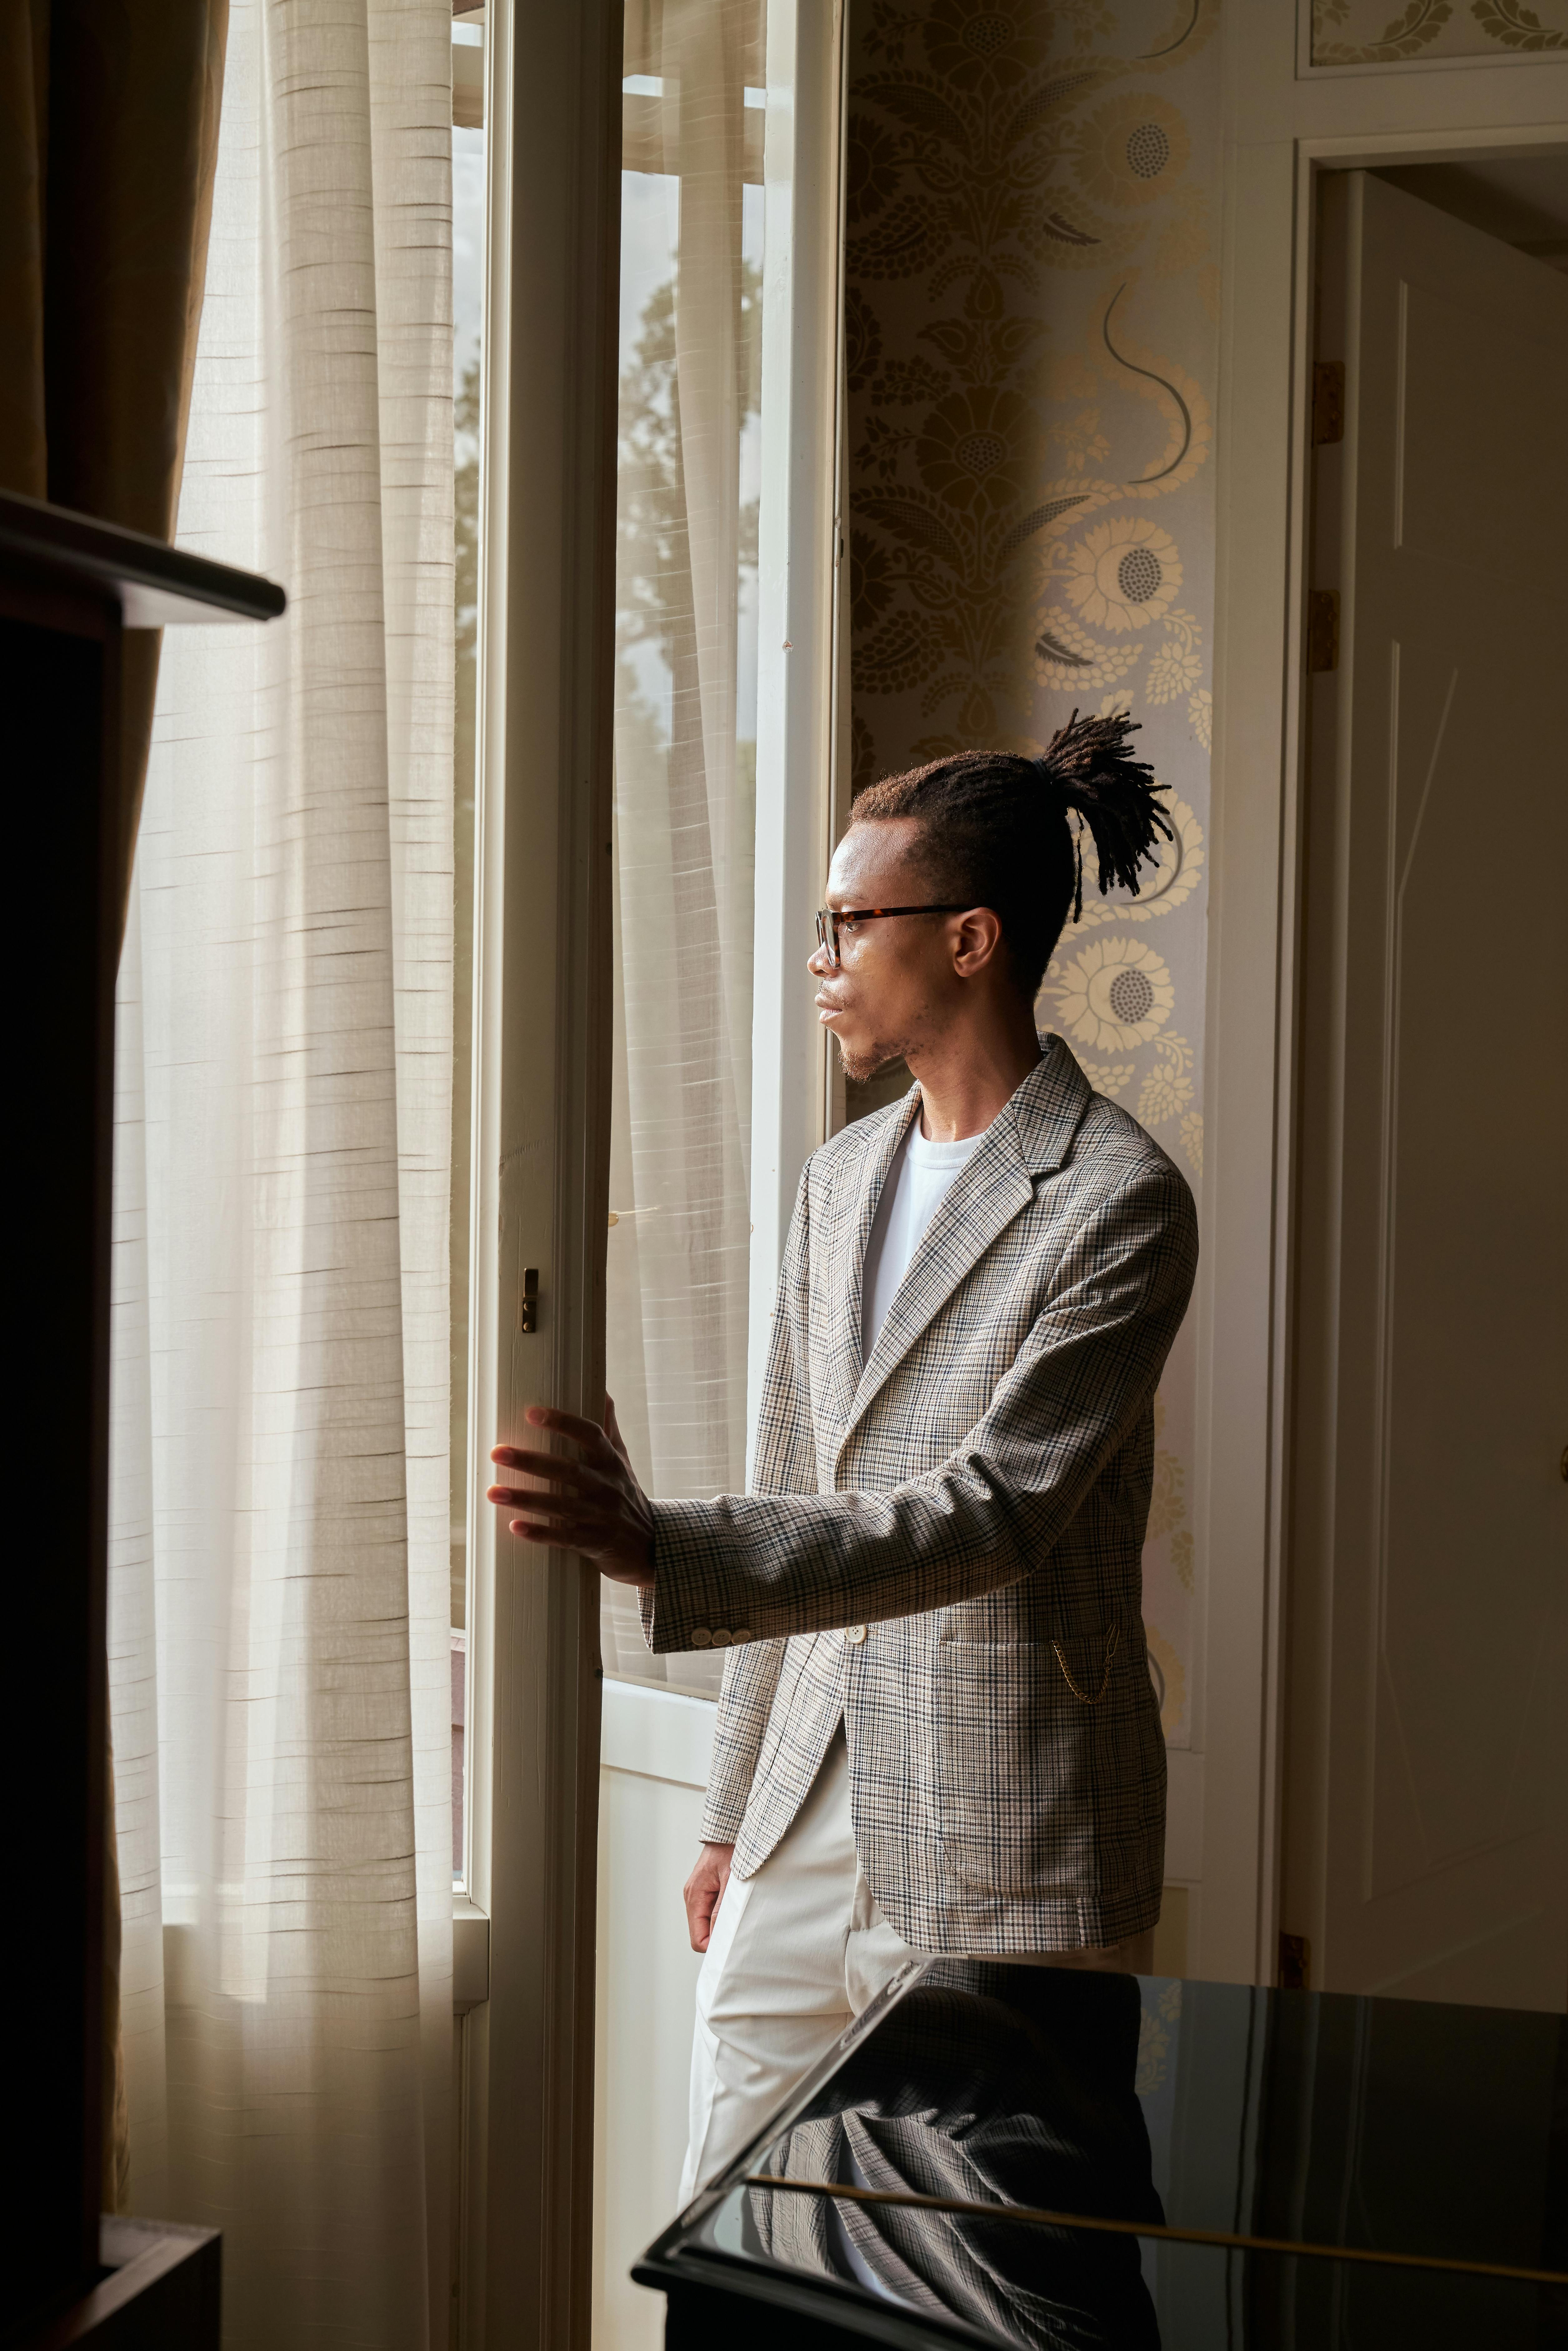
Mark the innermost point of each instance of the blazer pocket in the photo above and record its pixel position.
(1014, 1763)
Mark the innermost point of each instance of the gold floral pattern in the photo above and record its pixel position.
(1123, 573)
(1112, 994)
(1167, 1500)
(1168, 1086)
(1192, 1140)
(1131, 150)
(1107, 1078)
(1365, 32)
(975, 447)
(978, 168)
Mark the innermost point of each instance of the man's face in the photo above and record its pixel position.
(893, 989)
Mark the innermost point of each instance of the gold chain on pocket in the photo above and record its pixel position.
(1083, 1695)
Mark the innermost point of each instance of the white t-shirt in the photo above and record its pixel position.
(915, 1186)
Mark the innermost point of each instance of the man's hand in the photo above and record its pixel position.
(703, 1891)
(595, 1506)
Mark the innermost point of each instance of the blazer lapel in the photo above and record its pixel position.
(846, 1266)
(1032, 1135)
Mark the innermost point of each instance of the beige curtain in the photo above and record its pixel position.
(685, 767)
(278, 1629)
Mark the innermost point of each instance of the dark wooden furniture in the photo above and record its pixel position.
(70, 587)
(1225, 2167)
(158, 2289)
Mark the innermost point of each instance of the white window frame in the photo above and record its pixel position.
(540, 1200)
(524, 1929)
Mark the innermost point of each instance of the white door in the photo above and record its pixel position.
(1427, 1776)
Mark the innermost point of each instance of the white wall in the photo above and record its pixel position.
(654, 1760)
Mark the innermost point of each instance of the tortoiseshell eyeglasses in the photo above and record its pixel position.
(830, 919)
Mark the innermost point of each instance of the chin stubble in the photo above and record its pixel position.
(859, 1067)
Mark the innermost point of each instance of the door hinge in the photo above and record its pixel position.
(1328, 402)
(1295, 1963)
(1322, 628)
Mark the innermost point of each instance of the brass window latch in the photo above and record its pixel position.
(528, 1302)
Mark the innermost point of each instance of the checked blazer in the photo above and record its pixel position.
(942, 1545)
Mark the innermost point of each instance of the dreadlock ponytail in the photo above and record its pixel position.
(1087, 768)
(999, 830)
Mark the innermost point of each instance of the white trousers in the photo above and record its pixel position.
(796, 1950)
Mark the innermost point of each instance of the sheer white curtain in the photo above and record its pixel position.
(279, 1582)
(685, 762)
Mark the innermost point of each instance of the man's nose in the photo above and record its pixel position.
(816, 962)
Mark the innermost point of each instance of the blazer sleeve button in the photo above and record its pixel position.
(702, 1638)
(721, 1636)
(739, 1637)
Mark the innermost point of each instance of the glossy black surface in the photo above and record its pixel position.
(1414, 2133)
(81, 548)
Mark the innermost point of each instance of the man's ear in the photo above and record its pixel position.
(979, 942)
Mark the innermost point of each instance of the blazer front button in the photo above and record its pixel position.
(855, 1636)
(702, 1638)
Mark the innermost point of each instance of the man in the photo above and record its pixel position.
(937, 1731)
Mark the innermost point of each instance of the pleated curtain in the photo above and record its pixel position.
(279, 1645)
(679, 1247)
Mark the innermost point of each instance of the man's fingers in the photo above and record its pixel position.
(541, 1510)
(587, 1540)
(585, 1433)
(575, 1476)
(554, 1539)
(699, 1917)
(577, 1507)
(541, 1464)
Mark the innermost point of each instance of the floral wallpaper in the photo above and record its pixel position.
(1032, 308)
(1375, 33)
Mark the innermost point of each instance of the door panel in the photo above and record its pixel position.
(1426, 1785)
(1474, 441)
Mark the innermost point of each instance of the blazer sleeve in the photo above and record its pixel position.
(995, 1510)
(785, 1463)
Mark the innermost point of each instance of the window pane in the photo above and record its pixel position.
(467, 318)
(685, 761)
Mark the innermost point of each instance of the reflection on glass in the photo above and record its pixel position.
(1412, 2151)
(685, 760)
(467, 317)
(998, 2087)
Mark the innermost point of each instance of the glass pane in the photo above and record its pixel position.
(685, 761)
(467, 316)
